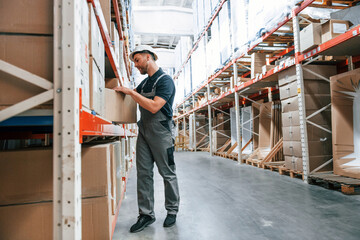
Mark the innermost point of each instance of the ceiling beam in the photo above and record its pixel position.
(163, 21)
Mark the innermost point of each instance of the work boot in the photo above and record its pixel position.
(170, 220)
(142, 222)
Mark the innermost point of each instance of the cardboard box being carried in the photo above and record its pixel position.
(119, 107)
(35, 221)
(345, 107)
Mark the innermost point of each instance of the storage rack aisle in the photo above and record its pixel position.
(77, 194)
(293, 60)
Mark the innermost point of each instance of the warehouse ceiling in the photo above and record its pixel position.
(161, 23)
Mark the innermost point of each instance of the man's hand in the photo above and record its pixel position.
(152, 105)
(125, 90)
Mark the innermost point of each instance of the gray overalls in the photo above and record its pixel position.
(155, 144)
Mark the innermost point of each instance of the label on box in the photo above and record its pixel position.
(339, 27)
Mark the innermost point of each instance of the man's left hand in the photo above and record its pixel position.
(123, 90)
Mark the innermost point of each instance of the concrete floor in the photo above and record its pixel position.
(223, 200)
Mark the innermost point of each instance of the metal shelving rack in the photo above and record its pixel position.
(255, 87)
(70, 121)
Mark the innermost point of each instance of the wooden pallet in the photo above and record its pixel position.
(292, 173)
(273, 166)
(332, 181)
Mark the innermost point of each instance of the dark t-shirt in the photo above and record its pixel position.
(165, 88)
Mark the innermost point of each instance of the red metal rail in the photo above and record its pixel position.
(354, 32)
(110, 52)
(200, 37)
(297, 10)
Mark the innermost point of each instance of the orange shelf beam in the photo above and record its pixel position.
(110, 52)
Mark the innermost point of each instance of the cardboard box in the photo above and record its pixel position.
(26, 16)
(265, 125)
(294, 163)
(310, 87)
(31, 53)
(106, 9)
(312, 102)
(333, 28)
(316, 148)
(97, 86)
(116, 178)
(33, 179)
(257, 61)
(96, 44)
(35, 55)
(35, 221)
(310, 37)
(266, 68)
(115, 40)
(345, 124)
(119, 107)
(289, 75)
(293, 133)
(112, 83)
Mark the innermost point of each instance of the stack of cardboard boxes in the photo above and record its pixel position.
(26, 184)
(26, 41)
(317, 96)
(317, 33)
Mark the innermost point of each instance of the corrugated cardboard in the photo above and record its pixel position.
(310, 37)
(333, 28)
(257, 61)
(312, 102)
(288, 90)
(343, 132)
(290, 118)
(96, 44)
(316, 148)
(35, 221)
(106, 9)
(115, 169)
(264, 125)
(294, 163)
(119, 107)
(24, 16)
(97, 86)
(310, 87)
(33, 179)
(292, 133)
(112, 83)
(114, 35)
(31, 53)
(289, 75)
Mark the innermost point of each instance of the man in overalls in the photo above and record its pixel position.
(155, 142)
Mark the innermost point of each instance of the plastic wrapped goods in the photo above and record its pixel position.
(224, 28)
(239, 22)
(265, 15)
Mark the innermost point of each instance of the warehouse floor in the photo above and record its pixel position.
(223, 200)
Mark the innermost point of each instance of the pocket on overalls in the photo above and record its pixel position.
(170, 153)
(165, 123)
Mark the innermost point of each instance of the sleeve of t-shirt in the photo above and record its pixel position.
(165, 88)
(138, 88)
